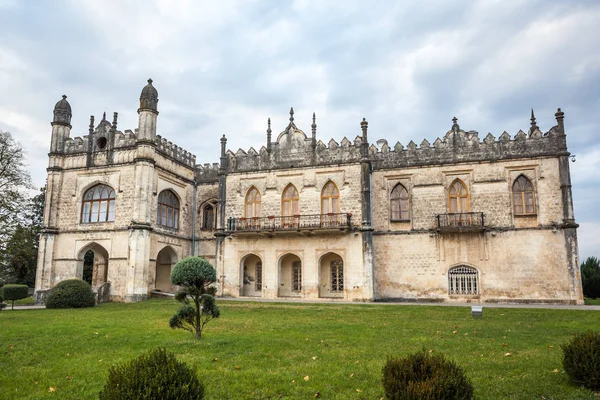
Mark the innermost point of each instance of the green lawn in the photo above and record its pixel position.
(289, 351)
(592, 302)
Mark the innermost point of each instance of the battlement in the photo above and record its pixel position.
(459, 146)
(294, 150)
(166, 147)
(207, 172)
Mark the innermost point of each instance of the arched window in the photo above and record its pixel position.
(252, 209)
(290, 201)
(399, 206)
(523, 196)
(458, 198)
(167, 213)
(337, 276)
(330, 199)
(463, 280)
(98, 204)
(209, 216)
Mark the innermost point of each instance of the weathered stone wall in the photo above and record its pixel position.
(490, 191)
(308, 181)
(311, 250)
(513, 265)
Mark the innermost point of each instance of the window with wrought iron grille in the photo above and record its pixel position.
(463, 280)
(167, 213)
(399, 206)
(523, 196)
(337, 276)
(209, 220)
(258, 281)
(98, 205)
(296, 276)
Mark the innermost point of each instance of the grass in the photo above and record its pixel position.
(592, 302)
(289, 351)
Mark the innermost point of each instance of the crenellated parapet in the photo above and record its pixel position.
(293, 149)
(458, 146)
(169, 149)
(207, 172)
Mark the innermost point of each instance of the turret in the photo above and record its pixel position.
(61, 125)
(147, 113)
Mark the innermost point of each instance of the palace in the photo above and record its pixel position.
(462, 219)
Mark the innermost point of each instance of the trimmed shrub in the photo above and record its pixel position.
(15, 292)
(424, 376)
(2, 305)
(156, 375)
(71, 293)
(193, 271)
(590, 277)
(581, 359)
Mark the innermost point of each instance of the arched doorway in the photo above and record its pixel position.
(331, 276)
(93, 264)
(252, 276)
(290, 276)
(165, 260)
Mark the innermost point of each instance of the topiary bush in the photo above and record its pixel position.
(15, 292)
(581, 359)
(71, 293)
(195, 276)
(424, 376)
(156, 375)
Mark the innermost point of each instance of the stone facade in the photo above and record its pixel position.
(303, 219)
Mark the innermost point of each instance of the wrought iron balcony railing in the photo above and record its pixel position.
(291, 223)
(456, 222)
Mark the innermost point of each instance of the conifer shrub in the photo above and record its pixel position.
(71, 293)
(425, 376)
(155, 375)
(581, 359)
(15, 292)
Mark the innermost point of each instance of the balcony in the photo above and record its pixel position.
(298, 223)
(460, 222)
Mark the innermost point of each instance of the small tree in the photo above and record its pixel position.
(195, 276)
(15, 292)
(590, 277)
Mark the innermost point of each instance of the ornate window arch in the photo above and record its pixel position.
(252, 203)
(463, 280)
(458, 197)
(290, 201)
(98, 204)
(523, 196)
(167, 212)
(330, 199)
(399, 203)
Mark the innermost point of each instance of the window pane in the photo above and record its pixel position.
(453, 205)
(94, 214)
(325, 206)
(111, 210)
(103, 209)
(463, 204)
(85, 216)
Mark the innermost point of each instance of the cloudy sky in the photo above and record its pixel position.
(223, 67)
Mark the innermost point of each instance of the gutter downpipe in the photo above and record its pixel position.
(194, 217)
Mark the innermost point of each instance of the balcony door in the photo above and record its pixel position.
(330, 205)
(290, 207)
